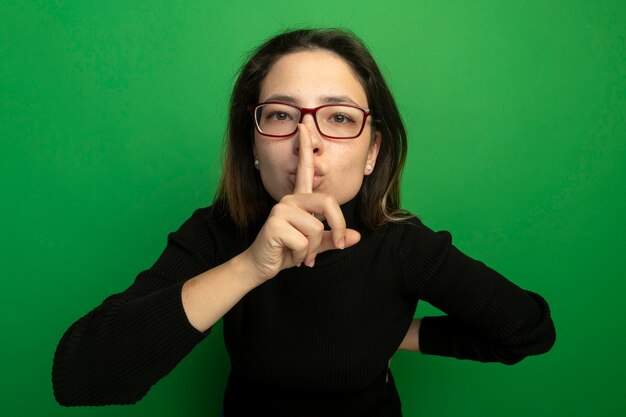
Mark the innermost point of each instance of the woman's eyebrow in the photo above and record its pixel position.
(282, 97)
(338, 99)
(323, 100)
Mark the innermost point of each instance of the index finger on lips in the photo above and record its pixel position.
(306, 167)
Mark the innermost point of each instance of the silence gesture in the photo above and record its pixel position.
(292, 235)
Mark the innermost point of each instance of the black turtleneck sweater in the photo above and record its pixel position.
(311, 341)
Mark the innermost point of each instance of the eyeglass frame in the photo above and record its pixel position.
(313, 112)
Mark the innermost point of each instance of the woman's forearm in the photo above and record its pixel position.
(209, 296)
(411, 339)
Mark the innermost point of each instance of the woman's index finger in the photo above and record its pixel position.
(306, 167)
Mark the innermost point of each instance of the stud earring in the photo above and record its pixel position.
(369, 167)
(256, 163)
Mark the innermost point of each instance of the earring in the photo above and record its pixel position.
(256, 163)
(369, 166)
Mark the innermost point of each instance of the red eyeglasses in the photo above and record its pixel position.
(336, 121)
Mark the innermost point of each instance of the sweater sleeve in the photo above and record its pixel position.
(488, 318)
(115, 353)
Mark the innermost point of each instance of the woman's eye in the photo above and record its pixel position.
(342, 118)
(278, 115)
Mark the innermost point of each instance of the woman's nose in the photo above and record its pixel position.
(314, 134)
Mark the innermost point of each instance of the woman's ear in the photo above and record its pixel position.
(372, 154)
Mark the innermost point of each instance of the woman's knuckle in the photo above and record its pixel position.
(302, 245)
(318, 227)
(272, 222)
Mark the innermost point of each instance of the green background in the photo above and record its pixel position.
(111, 120)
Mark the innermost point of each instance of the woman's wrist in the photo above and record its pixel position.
(246, 270)
(210, 295)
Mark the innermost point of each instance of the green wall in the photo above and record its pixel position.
(111, 120)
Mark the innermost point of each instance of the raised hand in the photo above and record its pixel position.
(292, 234)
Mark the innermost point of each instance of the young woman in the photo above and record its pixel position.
(307, 256)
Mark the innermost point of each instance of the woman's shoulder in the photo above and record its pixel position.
(411, 235)
(209, 231)
(405, 220)
(214, 213)
(209, 221)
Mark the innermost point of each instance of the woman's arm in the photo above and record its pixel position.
(116, 352)
(411, 341)
(119, 350)
(488, 318)
(209, 296)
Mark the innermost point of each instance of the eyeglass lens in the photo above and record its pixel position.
(282, 119)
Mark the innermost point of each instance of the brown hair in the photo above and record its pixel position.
(241, 191)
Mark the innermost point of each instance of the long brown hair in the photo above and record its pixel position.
(241, 191)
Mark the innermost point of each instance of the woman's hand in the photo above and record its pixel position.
(292, 234)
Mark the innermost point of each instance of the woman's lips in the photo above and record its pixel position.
(317, 180)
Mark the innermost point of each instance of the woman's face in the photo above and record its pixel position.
(311, 79)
